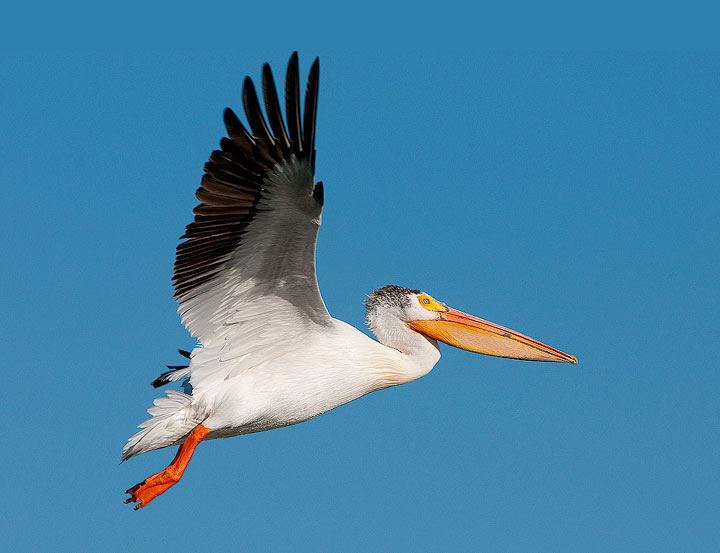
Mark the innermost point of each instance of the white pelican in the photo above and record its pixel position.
(269, 353)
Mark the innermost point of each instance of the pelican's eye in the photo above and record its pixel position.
(429, 303)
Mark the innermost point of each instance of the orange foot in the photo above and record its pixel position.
(154, 485)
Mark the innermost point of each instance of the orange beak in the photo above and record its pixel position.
(464, 331)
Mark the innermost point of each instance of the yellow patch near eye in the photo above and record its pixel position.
(430, 304)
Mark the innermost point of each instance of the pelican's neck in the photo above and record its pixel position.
(415, 355)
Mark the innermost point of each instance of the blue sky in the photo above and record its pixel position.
(555, 172)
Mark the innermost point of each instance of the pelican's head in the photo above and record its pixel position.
(393, 311)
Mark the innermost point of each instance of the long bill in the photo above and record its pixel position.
(470, 333)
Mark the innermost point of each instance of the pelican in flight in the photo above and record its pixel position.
(269, 354)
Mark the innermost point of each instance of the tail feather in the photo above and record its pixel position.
(168, 426)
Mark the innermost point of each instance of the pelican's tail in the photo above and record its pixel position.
(170, 424)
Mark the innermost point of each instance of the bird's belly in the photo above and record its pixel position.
(258, 400)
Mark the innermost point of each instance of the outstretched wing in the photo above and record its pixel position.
(248, 259)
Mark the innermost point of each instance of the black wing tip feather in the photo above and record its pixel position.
(164, 378)
(319, 193)
(292, 103)
(254, 114)
(161, 380)
(235, 129)
(311, 99)
(272, 109)
(234, 176)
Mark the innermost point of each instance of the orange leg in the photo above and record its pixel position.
(154, 485)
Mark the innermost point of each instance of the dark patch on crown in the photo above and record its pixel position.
(395, 296)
